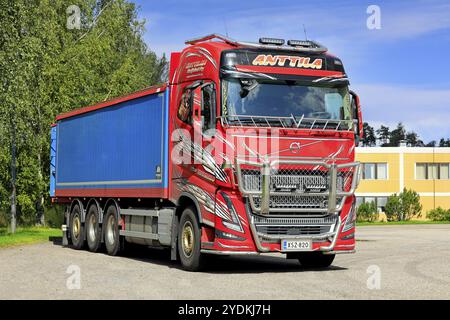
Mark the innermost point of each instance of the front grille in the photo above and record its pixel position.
(295, 181)
(299, 180)
(293, 202)
(279, 227)
(292, 230)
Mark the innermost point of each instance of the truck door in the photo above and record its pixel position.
(204, 124)
(196, 117)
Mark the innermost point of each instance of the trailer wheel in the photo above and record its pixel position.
(93, 229)
(189, 241)
(76, 228)
(113, 241)
(316, 259)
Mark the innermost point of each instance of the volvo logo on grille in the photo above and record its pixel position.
(295, 147)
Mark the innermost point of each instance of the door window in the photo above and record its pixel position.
(185, 108)
(209, 107)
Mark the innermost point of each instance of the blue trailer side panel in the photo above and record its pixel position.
(121, 146)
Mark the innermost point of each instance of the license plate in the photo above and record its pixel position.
(296, 245)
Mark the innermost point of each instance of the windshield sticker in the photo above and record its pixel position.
(294, 61)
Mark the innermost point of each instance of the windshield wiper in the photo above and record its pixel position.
(332, 79)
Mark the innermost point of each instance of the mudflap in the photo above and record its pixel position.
(64, 228)
(65, 240)
(173, 245)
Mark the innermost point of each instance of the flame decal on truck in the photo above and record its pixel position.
(202, 156)
(206, 200)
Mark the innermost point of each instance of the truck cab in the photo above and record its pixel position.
(263, 141)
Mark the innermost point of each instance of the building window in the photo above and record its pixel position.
(375, 171)
(430, 171)
(359, 201)
(381, 171)
(380, 202)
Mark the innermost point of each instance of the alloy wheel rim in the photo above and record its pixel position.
(188, 239)
(76, 227)
(92, 223)
(110, 234)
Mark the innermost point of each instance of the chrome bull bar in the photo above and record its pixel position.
(329, 236)
(332, 194)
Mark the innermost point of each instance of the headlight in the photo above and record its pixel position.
(233, 224)
(351, 218)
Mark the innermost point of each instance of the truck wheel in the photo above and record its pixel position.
(189, 238)
(113, 241)
(76, 228)
(93, 230)
(316, 259)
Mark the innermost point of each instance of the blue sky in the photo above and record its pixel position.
(401, 72)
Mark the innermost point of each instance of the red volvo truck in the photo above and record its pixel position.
(247, 149)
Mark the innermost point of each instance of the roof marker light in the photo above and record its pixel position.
(301, 43)
(275, 41)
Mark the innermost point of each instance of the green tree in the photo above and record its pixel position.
(47, 69)
(403, 207)
(397, 135)
(439, 214)
(444, 143)
(384, 134)
(369, 139)
(412, 139)
(367, 212)
(393, 208)
(411, 206)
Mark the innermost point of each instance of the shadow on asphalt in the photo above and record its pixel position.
(223, 264)
(55, 240)
(217, 264)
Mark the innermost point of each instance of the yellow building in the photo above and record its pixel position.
(387, 170)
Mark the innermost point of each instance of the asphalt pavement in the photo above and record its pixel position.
(392, 262)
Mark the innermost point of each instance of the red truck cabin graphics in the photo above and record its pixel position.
(248, 149)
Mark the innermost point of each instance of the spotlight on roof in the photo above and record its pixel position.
(278, 42)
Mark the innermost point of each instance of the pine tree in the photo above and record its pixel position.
(384, 134)
(369, 139)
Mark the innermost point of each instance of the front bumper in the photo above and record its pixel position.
(257, 238)
(267, 227)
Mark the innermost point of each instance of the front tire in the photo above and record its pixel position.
(76, 228)
(316, 260)
(113, 241)
(189, 241)
(93, 229)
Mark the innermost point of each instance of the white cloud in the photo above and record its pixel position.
(425, 111)
(342, 28)
(414, 21)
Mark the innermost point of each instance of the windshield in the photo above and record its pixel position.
(258, 101)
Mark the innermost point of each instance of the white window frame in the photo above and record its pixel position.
(376, 171)
(438, 164)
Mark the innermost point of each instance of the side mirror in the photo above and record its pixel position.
(357, 117)
(197, 108)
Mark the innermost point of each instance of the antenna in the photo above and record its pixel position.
(304, 30)
(225, 24)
